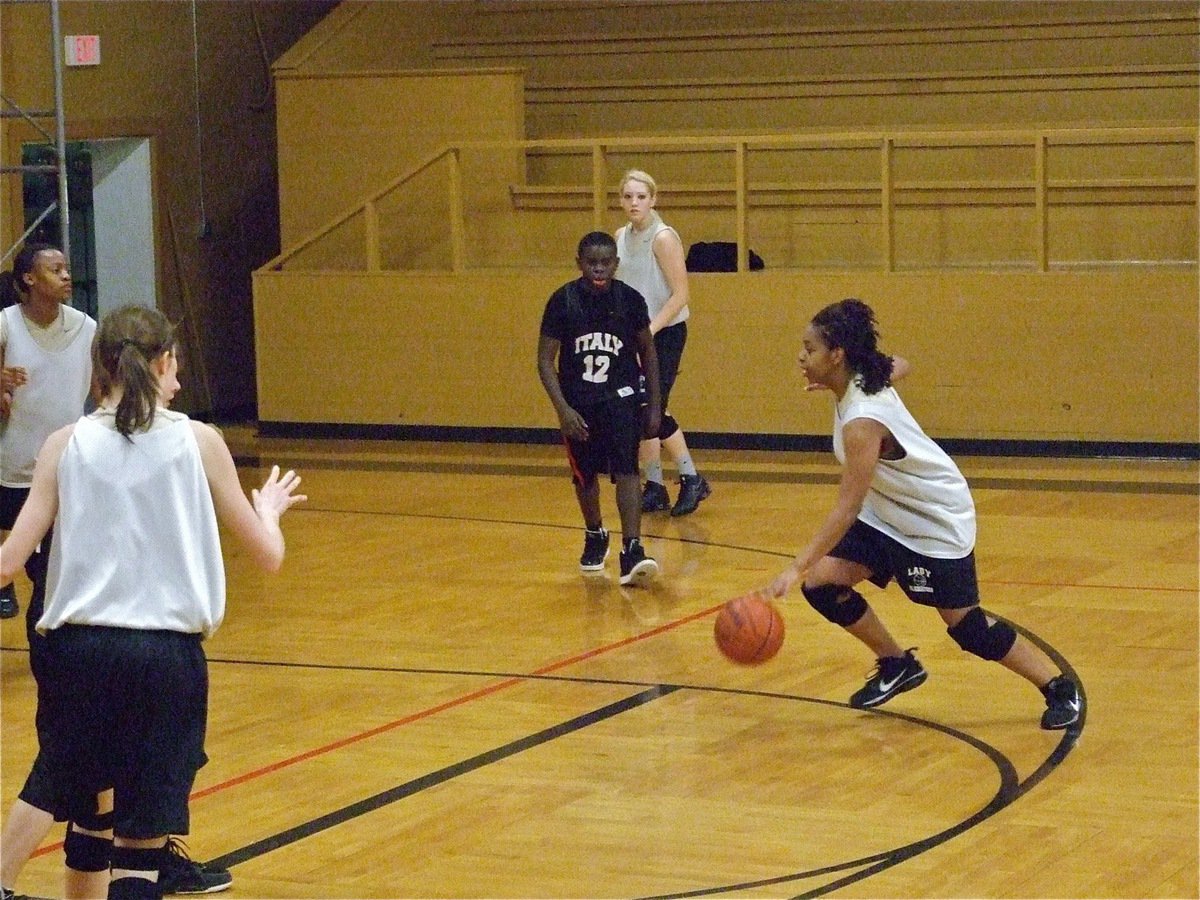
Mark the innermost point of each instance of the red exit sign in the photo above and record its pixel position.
(82, 49)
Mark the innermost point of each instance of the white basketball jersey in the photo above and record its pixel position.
(136, 542)
(639, 266)
(921, 500)
(52, 397)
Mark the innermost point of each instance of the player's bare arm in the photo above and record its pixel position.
(648, 355)
(257, 525)
(668, 250)
(40, 507)
(569, 420)
(862, 441)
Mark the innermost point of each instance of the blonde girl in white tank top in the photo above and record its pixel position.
(652, 262)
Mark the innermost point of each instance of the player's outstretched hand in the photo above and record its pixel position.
(277, 495)
(782, 584)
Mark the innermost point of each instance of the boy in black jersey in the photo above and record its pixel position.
(597, 329)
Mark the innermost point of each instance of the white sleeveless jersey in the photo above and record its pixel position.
(135, 543)
(639, 267)
(52, 397)
(921, 500)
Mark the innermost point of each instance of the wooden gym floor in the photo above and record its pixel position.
(431, 701)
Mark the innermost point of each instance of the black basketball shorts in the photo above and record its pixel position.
(927, 580)
(123, 708)
(614, 431)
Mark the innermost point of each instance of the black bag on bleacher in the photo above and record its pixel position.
(717, 256)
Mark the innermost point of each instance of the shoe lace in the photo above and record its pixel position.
(890, 665)
(177, 849)
(875, 670)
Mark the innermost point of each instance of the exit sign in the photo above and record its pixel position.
(82, 49)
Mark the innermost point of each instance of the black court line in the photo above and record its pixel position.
(309, 509)
(1009, 792)
(1067, 485)
(859, 869)
(361, 807)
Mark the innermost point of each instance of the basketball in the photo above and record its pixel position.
(749, 630)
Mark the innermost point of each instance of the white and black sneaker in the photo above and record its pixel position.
(893, 675)
(1063, 703)
(595, 550)
(637, 568)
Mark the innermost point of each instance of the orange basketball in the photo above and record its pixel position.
(749, 630)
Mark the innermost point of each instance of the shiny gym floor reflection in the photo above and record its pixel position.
(431, 701)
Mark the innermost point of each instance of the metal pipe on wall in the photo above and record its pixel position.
(60, 131)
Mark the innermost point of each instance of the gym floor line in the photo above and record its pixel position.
(847, 872)
(441, 467)
(1010, 790)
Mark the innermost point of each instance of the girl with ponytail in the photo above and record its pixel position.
(904, 512)
(136, 582)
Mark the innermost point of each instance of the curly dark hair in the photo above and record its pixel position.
(850, 324)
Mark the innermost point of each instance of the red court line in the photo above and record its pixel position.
(426, 713)
(551, 667)
(449, 704)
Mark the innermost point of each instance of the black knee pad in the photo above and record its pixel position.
(838, 603)
(667, 426)
(135, 859)
(86, 852)
(134, 889)
(975, 635)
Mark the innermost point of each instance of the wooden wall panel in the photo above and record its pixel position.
(791, 102)
(1005, 353)
(342, 135)
(1100, 356)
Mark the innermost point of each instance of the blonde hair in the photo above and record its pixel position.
(638, 175)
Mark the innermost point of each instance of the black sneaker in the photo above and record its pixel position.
(595, 550)
(893, 675)
(692, 489)
(8, 604)
(637, 568)
(655, 498)
(180, 874)
(1063, 703)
